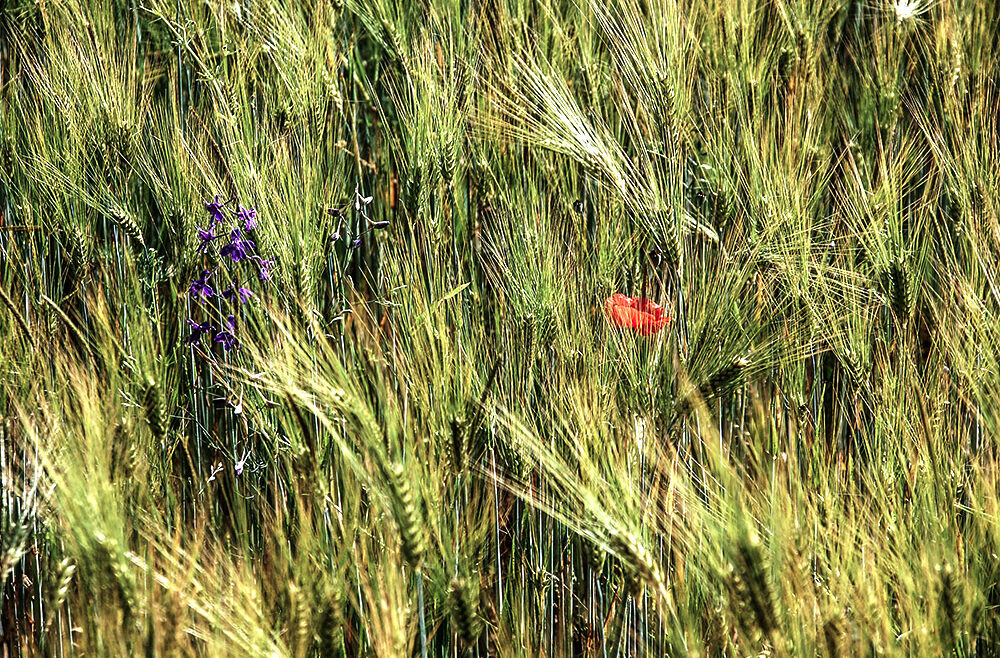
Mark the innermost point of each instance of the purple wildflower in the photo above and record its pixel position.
(249, 218)
(200, 288)
(197, 330)
(265, 269)
(232, 293)
(238, 249)
(356, 243)
(227, 339)
(226, 336)
(215, 210)
(206, 238)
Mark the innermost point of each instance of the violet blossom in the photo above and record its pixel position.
(215, 211)
(231, 293)
(197, 330)
(238, 249)
(226, 337)
(200, 288)
(249, 218)
(265, 269)
(206, 238)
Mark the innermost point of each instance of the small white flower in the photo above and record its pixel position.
(908, 9)
(360, 199)
(241, 462)
(216, 469)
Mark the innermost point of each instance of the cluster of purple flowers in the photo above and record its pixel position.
(240, 248)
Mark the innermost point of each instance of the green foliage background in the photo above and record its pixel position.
(433, 444)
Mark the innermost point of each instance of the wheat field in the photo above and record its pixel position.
(340, 328)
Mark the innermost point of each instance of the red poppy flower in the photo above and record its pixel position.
(637, 313)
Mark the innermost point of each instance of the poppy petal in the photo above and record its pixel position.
(638, 313)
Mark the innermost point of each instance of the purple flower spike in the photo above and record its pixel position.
(356, 243)
(226, 336)
(238, 249)
(206, 238)
(200, 287)
(243, 294)
(215, 211)
(265, 269)
(249, 218)
(197, 330)
(227, 339)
